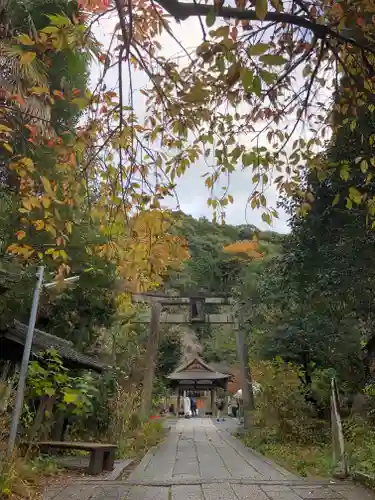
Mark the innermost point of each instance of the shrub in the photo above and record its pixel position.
(360, 444)
(281, 407)
(132, 436)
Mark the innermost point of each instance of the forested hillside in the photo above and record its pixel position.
(215, 269)
(210, 269)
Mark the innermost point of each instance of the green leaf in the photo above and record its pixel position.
(261, 9)
(257, 86)
(81, 102)
(220, 63)
(222, 31)
(273, 60)
(266, 218)
(349, 204)
(50, 29)
(355, 195)
(197, 94)
(268, 77)
(70, 397)
(248, 159)
(59, 20)
(211, 18)
(307, 70)
(344, 172)
(336, 200)
(364, 166)
(353, 125)
(258, 49)
(247, 79)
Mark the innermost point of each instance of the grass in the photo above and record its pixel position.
(315, 459)
(360, 439)
(136, 443)
(20, 477)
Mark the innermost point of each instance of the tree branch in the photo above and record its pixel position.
(182, 11)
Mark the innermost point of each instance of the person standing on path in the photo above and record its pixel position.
(219, 408)
(193, 404)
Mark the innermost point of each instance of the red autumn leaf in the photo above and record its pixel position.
(33, 130)
(103, 109)
(76, 92)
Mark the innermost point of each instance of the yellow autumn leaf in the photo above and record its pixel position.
(4, 128)
(35, 203)
(51, 229)
(40, 90)
(12, 248)
(25, 39)
(64, 255)
(47, 185)
(27, 204)
(39, 225)
(27, 58)
(27, 163)
(46, 201)
(69, 227)
(8, 147)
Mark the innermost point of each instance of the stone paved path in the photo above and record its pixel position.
(199, 461)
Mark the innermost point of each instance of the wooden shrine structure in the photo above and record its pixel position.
(197, 377)
(195, 309)
(198, 309)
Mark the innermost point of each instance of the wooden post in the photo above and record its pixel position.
(338, 443)
(178, 402)
(151, 353)
(213, 401)
(246, 382)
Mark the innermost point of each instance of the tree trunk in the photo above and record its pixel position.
(151, 353)
(246, 382)
(38, 420)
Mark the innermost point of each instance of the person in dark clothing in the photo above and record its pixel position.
(220, 408)
(193, 406)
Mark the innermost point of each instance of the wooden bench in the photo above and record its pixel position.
(102, 456)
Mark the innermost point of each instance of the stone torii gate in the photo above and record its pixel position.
(197, 311)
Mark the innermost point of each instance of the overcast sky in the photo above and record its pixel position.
(191, 192)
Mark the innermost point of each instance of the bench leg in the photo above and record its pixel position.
(96, 462)
(109, 460)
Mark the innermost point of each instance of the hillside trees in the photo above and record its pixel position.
(319, 292)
